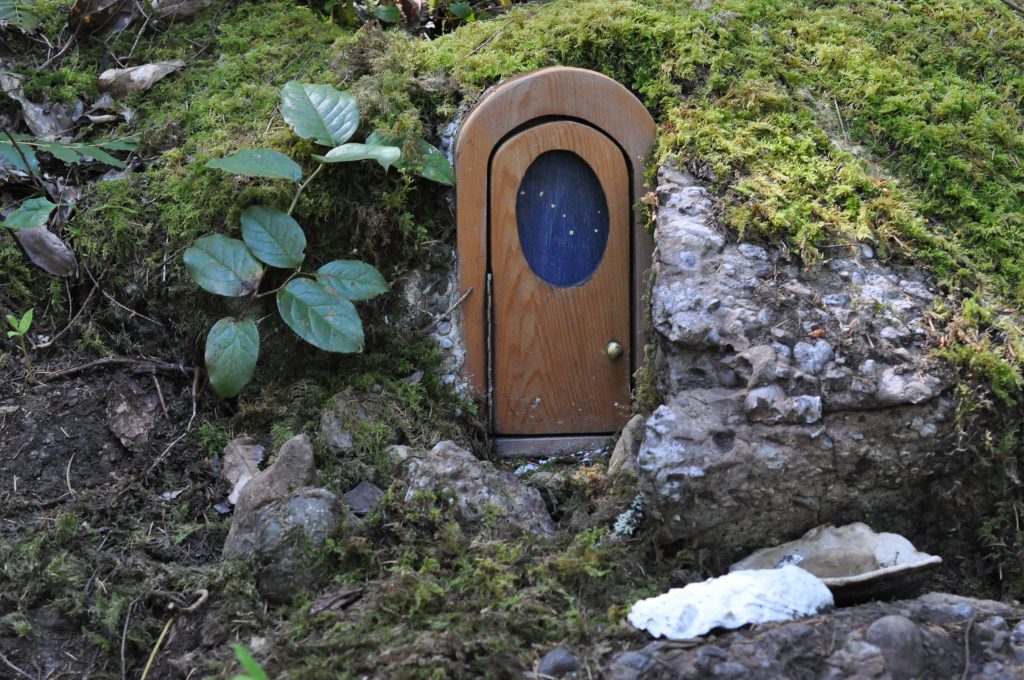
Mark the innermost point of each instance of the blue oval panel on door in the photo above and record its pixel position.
(562, 216)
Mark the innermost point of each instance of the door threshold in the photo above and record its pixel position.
(546, 447)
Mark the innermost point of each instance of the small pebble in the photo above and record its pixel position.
(558, 662)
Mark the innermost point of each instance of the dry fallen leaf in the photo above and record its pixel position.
(49, 120)
(178, 9)
(120, 81)
(102, 17)
(242, 458)
(47, 251)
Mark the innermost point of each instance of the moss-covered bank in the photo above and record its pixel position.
(819, 124)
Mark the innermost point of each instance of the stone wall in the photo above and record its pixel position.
(793, 397)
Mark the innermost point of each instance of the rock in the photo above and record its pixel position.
(131, 412)
(731, 601)
(287, 537)
(558, 662)
(919, 638)
(901, 644)
(398, 453)
(363, 498)
(787, 403)
(853, 561)
(475, 486)
(291, 470)
(623, 460)
(344, 411)
(812, 359)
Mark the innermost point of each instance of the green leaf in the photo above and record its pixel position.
(388, 13)
(253, 669)
(432, 163)
(223, 266)
(13, 321)
(35, 212)
(319, 112)
(320, 316)
(385, 155)
(127, 144)
(62, 153)
(232, 348)
(462, 10)
(258, 163)
(352, 279)
(26, 322)
(98, 154)
(13, 13)
(273, 236)
(9, 153)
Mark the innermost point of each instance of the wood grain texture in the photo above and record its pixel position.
(551, 374)
(553, 92)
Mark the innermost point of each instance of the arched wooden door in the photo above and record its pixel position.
(560, 262)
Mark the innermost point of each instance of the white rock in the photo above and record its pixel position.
(732, 601)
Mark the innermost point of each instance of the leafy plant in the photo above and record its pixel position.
(253, 671)
(317, 306)
(19, 149)
(19, 330)
(13, 13)
(35, 212)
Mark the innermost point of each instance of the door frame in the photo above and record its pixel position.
(540, 96)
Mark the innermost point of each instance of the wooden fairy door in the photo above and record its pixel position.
(560, 262)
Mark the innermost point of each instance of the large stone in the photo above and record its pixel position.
(476, 486)
(920, 638)
(794, 396)
(287, 540)
(291, 470)
(901, 644)
(623, 459)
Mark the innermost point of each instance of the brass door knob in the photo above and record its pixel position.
(614, 351)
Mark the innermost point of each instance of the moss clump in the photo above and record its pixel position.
(440, 602)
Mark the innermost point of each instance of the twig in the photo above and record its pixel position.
(489, 38)
(839, 115)
(1014, 5)
(67, 474)
(160, 393)
(67, 46)
(967, 649)
(195, 396)
(156, 648)
(24, 159)
(14, 668)
(203, 594)
(130, 310)
(151, 364)
(298, 193)
(71, 323)
(124, 637)
(451, 308)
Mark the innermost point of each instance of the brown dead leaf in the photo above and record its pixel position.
(120, 81)
(131, 412)
(101, 17)
(178, 9)
(242, 458)
(49, 120)
(47, 251)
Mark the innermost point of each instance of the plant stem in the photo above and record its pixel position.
(287, 281)
(30, 374)
(302, 187)
(156, 648)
